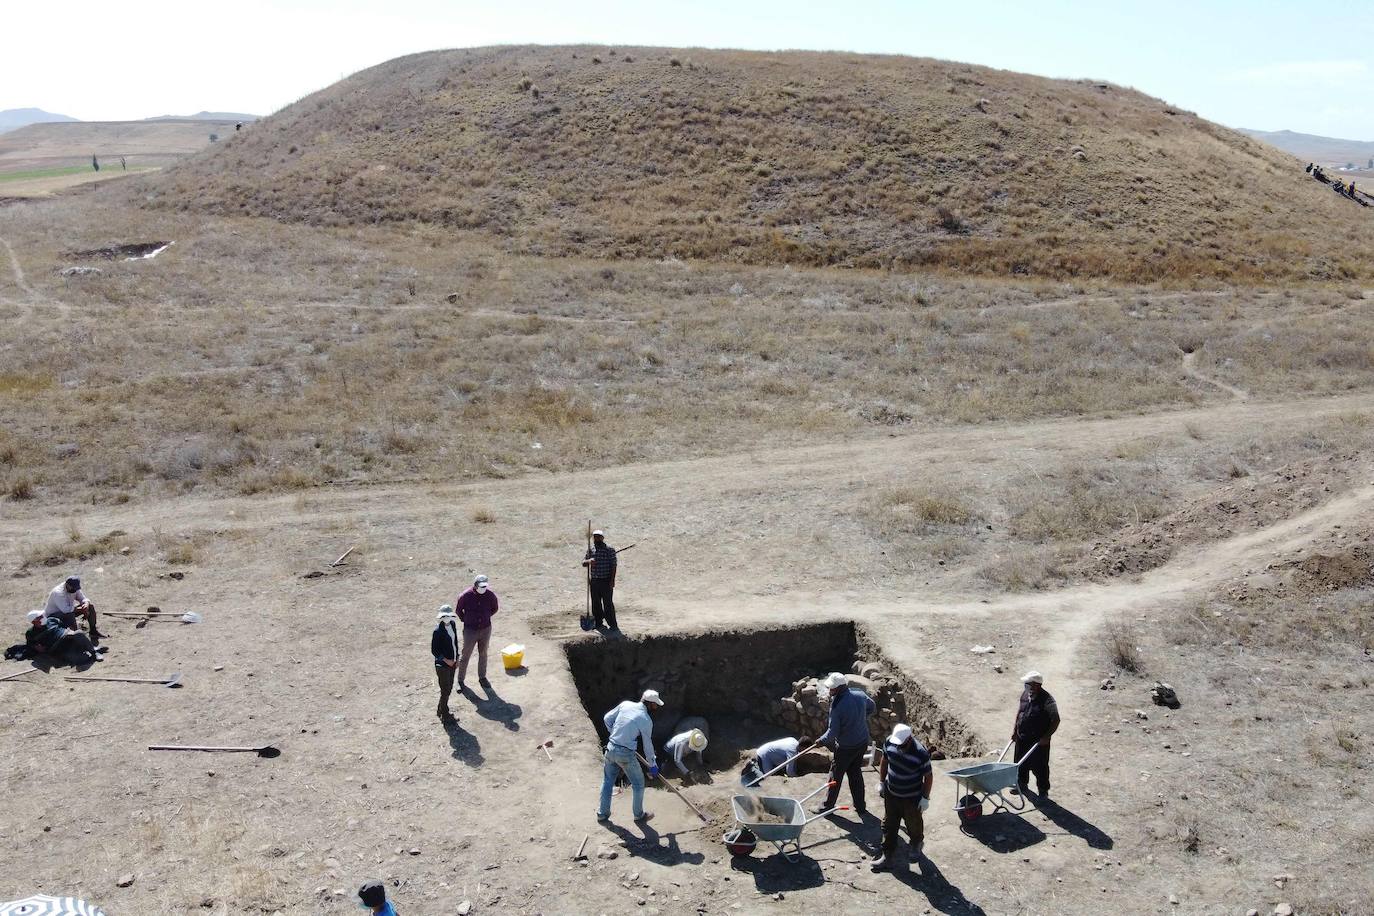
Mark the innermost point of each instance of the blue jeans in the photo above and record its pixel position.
(618, 759)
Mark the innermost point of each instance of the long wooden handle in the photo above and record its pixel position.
(684, 798)
(18, 674)
(203, 747)
(804, 750)
(119, 680)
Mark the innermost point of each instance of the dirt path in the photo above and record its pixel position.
(1190, 369)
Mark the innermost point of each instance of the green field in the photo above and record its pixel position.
(30, 174)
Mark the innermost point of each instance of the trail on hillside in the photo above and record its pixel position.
(1190, 369)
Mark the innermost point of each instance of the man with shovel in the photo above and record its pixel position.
(847, 737)
(628, 723)
(1037, 718)
(601, 563)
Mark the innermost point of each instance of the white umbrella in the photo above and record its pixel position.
(43, 905)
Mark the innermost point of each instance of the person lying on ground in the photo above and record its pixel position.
(47, 636)
(770, 756)
(67, 602)
(684, 743)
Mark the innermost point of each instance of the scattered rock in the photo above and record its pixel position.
(1108, 683)
(314, 574)
(1163, 695)
(127, 880)
(81, 271)
(1173, 899)
(466, 906)
(1252, 912)
(1283, 909)
(603, 853)
(414, 850)
(1141, 714)
(451, 298)
(66, 450)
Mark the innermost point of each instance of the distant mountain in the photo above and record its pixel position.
(12, 118)
(1321, 150)
(208, 116)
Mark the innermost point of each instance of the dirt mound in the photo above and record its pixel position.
(1243, 506)
(794, 157)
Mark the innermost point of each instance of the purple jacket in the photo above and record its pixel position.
(476, 610)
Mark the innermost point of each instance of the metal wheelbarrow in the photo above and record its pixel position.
(784, 833)
(982, 781)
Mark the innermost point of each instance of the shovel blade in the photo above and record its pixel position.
(269, 752)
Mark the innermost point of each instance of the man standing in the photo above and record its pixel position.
(847, 737)
(600, 562)
(627, 723)
(1037, 718)
(66, 602)
(904, 779)
(443, 645)
(476, 606)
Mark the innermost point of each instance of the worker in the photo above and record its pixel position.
(51, 637)
(1308, 170)
(443, 645)
(904, 782)
(626, 724)
(693, 741)
(1037, 718)
(372, 897)
(847, 738)
(601, 564)
(475, 607)
(795, 752)
(67, 601)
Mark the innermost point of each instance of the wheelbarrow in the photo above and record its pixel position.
(982, 781)
(783, 828)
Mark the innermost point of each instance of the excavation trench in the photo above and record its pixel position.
(754, 685)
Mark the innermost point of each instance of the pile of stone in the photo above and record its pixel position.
(807, 710)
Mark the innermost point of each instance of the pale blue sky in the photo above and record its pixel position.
(1266, 65)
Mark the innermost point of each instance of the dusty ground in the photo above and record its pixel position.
(1212, 509)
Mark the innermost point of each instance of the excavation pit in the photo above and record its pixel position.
(755, 685)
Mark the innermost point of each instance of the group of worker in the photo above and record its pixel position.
(905, 776)
(54, 633)
(1340, 187)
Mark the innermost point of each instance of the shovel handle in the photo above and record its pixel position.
(199, 747)
(809, 747)
(18, 674)
(674, 789)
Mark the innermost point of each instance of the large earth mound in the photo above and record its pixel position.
(795, 157)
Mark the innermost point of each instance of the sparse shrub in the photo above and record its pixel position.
(1192, 837)
(1121, 646)
(525, 84)
(20, 488)
(950, 221)
(483, 516)
(674, 62)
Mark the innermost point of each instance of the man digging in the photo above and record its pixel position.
(1037, 718)
(628, 723)
(847, 738)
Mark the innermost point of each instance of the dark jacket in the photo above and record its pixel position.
(442, 645)
(1037, 717)
(476, 610)
(44, 634)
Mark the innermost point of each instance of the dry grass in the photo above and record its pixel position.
(1080, 502)
(483, 516)
(76, 546)
(1122, 645)
(794, 157)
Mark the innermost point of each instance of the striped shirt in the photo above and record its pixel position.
(907, 766)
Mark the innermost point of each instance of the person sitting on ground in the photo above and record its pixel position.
(680, 745)
(373, 899)
(628, 723)
(904, 782)
(67, 601)
(48, 636)
(773, 754)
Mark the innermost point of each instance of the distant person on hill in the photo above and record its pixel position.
(444, 646)
(67, 602)
(95, 163)
(1308, 170)
(1037, 718)
(476, 606)
(372, 897)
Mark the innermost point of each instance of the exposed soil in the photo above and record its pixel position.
(131, 251)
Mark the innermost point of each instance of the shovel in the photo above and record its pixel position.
(266, 750)
(171, 680)
(18, 674)
(544, 746)
(695, 809)
(188, 617)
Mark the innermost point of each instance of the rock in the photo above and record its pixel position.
(603, 853)
(66, 450)
(451, 298)
(414, 850)
(1252, 912)
(1173, 899)
(81, 271)
(464, 908)
(1283, 909)
(127, 880)
(1108, 683)
(1141, 714)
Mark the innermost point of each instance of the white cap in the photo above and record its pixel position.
(901, 733)
(1033, 677)
(34, 615)
(446, 611)
(834, 679)
(651, 696)
(598, 533)
(696, 740)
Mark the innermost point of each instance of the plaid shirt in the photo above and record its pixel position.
(603, 561)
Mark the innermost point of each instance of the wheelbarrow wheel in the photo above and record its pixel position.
(970, 810)
(741, 842)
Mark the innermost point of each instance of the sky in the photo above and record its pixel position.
(1264, 65)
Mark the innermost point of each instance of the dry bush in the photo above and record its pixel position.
(76, 546)
(1081, 501)
(20, 487)
(483, 516)
(1027, 569)
(1122, 645)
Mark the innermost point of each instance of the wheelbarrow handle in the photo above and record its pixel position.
(823, 787)
(1028, 753)
(825, 813)
(1004, 752)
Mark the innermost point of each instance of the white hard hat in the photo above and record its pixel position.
(651, 696)
(696, 740)
(834, 679)
(598, 533)
(1033, 677)
(901, 733)
(34, 615)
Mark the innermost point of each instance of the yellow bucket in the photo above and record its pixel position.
(513, 656)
